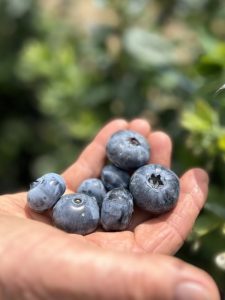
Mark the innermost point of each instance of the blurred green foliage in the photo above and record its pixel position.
(61, 79)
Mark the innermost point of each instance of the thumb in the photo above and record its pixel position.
(155, 277)
(164, 277)
(93, 273)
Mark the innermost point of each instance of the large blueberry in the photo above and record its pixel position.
(155, 188)
(117, 209)
(45, 192)
(76, 213)
(113, 177)
(94, 188)
(128, 150)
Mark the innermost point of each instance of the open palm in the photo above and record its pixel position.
(51, 264)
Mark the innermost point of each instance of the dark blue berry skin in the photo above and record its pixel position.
(113, 177)
(76, 213)
(117, 210)
(94, 188)
(128, 150)
(45, 192)
(155, 188)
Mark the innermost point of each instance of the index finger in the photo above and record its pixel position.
(92, 159)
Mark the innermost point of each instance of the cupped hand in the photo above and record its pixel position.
(39, 261)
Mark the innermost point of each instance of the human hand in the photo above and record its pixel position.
(39, 261)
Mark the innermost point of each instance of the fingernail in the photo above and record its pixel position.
(191, 291)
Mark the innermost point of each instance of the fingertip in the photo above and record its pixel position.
(196, 283)
(117, 123)
(142, 126)
(110, 128)
(187, 281)
(200, 175)
(163, 139)
(194, 180)
(161, 148)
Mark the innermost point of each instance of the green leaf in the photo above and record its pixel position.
(216, 208)
(35, 61)
(18, 8)
(221, 89)
(191, 121)
(220, 260)
(216, 202)
(148, 48)
(206, 223)
(84, 126)
(215, 56)
(202, 119)
(221, 143)
(206, 112)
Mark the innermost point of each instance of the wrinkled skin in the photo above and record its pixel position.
(39, 261)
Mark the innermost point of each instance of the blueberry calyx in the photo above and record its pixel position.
(155, 181)
(155, 188)
(134, 141)
(77, 201)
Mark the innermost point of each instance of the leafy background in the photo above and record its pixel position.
(67, 67)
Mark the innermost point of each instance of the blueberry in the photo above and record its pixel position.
(76, 213)
(155, 188)
(94, 188)
(113, 177)
(117, 209)
(128, 150)
(45, 192)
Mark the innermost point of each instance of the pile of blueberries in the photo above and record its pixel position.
(127, 181)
